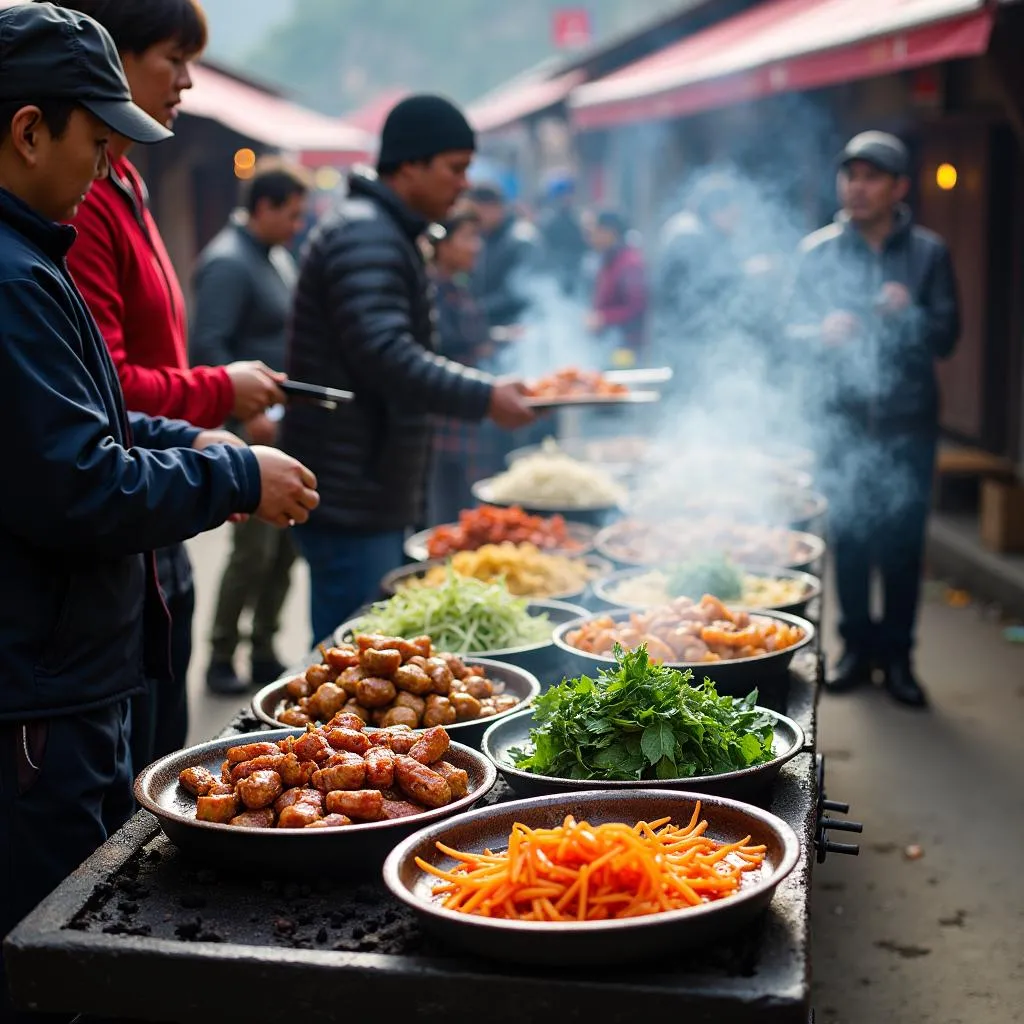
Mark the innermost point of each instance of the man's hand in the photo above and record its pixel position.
(507, 407)
(287, 489)
(893, 299)
(838, 328)
(262, 430)
(210, 437)
(255, 387)
(594, 322)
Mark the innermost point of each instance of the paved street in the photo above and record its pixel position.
(931, 940)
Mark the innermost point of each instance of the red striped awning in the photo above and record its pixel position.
(785, 46)
(520, 99)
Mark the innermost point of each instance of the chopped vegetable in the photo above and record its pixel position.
(643, 721)
(583, 872)
(714, 575)
(463, 615)
(490, 524)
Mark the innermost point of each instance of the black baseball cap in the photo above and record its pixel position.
(51, 53)
(881, 150)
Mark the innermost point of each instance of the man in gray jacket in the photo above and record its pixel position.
(243, 293)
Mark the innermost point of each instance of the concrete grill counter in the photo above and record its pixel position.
(141, 933)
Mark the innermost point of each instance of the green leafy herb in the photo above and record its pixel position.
(643, 721)
(715, 575)
(463, 616)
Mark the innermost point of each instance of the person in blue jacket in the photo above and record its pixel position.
(90, 489)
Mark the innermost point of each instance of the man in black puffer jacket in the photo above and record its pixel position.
(875, 305)
(364, 322)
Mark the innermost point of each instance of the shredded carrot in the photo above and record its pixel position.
(583, 872)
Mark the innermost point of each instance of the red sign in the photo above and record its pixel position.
(571, 27)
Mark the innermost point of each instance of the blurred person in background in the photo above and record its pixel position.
(565, 243)
(121, 266)
(244, 285)
(619, 313)
(875, 305)
(463, 451)
(509, 258)
(363, 321)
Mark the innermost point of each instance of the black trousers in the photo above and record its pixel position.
(160, 715)
(65, 787)
(879, 488)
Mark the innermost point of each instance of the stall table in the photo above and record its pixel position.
(142, 933)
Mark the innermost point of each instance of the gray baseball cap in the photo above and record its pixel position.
(880, 149)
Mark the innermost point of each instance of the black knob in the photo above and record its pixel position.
(841, 826)
(851, 849)
(835, 805)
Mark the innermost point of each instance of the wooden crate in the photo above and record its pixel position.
(1002, 516)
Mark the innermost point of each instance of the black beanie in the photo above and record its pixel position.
(420, 127)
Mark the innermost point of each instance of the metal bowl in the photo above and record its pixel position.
(595, 452)
(269, 702)
(543, 659)
(352, 848)
(794, 508)
(735, 678)
(594, 515)
(744, 784)
(604, 588)
(583, 533)
(811, 550)
(655, 938)
(392, 581)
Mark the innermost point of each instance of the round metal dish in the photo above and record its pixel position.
(657, 937)
(416, 546)
(595, 452)
(795, 509)
(604, 588)
(390, 583)
(810, 546)
(735, 678)
(269, 702)
(351, 848)
(543, 659)
(744, 784)
(595, 515)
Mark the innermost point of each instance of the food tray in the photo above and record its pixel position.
(140, 931)
(594, 401)
(592, 943)
(745, 784)
(595, 514)
(266, 704)
(358, 847)
(583, 533)
(735, 678)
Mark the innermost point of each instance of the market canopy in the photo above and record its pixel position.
(262, 116)
(523, 97)
(784, 46)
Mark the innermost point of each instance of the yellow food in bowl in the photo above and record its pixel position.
(526, 570)
(650, 589)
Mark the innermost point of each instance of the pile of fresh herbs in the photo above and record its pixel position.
(643, 721)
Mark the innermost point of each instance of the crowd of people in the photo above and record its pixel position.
(139, 424)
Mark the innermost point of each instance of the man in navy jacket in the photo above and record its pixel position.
(90, 490)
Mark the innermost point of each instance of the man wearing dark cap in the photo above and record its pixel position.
(93, 488)
(363, 322)
(874, 306)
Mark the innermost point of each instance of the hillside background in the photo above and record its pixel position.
(336, 55)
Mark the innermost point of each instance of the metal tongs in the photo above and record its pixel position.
(326, 398)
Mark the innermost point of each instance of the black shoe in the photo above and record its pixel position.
(853, 670)
(902, 686)
(222, 678)
(266, 670)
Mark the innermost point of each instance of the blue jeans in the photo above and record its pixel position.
(345, 569)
